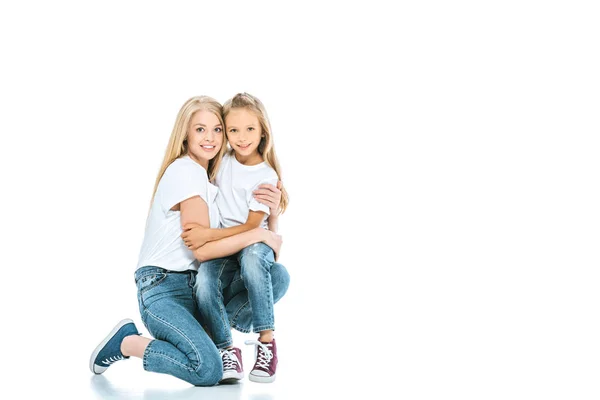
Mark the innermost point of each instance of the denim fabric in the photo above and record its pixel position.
(181, 347)
(239, 291)
(236, 299)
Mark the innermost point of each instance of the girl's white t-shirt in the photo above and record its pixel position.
(236, 183)
(162, 245)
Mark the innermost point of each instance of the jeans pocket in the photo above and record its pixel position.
(147, 282)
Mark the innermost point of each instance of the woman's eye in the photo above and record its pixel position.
(251, 129)
(200, 130)
(232, 130)
(218, 130)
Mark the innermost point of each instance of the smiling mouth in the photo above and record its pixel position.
(244, 146)
(207, 147)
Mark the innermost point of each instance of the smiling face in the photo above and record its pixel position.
(204, 137)
(244, 134)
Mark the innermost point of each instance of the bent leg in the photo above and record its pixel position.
(236, 299)
(211, 278)
(181, 347)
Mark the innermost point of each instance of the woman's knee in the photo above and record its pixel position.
(209, 370)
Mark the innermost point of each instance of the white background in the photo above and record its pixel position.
(442, 161)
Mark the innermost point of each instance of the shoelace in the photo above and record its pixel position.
(262, 357)
(230, 360)
(111, 360)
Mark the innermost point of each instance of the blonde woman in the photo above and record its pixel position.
(166, 270)
(251, 162)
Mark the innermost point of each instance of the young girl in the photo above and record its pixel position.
(166, 270)
(251, 162)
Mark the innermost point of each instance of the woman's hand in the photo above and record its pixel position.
(274, 241)
(270, 196)
(195, 237)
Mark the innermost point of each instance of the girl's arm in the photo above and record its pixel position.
(195, 211)
(195, 235)
(231, 245)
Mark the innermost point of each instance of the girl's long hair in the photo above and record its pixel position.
(266, 147)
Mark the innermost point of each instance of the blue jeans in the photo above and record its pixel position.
(239, 291)
(181, 347)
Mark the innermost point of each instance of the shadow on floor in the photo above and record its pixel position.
(105, 390)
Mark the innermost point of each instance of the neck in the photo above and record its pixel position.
(252, 159)
(202, 162)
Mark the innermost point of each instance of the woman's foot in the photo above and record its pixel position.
(109, 350)
(266, 361)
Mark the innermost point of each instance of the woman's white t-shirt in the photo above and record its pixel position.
(162, 245)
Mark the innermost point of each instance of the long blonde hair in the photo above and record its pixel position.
(266, 147)
(178, 144)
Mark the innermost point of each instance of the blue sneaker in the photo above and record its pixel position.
(109, 351)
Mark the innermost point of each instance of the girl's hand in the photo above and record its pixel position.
(274, 241)
(270, 196)
(195, 237)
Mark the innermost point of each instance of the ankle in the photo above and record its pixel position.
(127, 345)
(266, 337)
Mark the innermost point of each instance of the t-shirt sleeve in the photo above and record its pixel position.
(181, 181)
(253, 204)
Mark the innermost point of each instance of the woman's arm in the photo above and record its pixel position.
(195, 211)
(270, 196)
(231, 245)
(195, 236)
(273, 221)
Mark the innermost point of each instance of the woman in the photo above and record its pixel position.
(166, 272)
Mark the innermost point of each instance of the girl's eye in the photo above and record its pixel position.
(232, 130)
(200, 130)
(218, 130)
(251, 129)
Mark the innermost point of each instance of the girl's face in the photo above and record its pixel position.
(243, 132)
(204, 136)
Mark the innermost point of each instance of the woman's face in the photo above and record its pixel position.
(204, 136)
(243, 131)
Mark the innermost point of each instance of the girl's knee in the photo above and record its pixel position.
(258, 252)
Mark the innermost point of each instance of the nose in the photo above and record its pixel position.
(210, 136)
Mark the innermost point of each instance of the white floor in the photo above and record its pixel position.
(442, 163)
(127, 380)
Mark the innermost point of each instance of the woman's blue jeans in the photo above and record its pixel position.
(239, 291)
(181, 347)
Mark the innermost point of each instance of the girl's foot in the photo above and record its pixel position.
(266, 362)
(233, 369)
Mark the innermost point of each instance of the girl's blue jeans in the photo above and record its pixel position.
(239, 291)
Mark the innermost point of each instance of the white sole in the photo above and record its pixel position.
(261, 379)
(100, 369)
(232, 377)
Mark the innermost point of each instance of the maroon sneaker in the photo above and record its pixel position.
(233, 370)
(266, 362)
